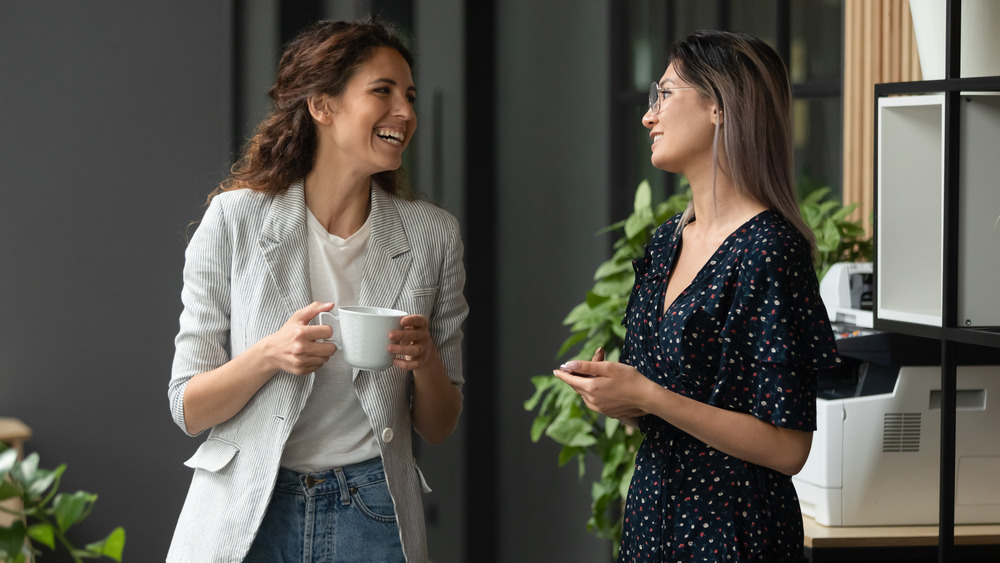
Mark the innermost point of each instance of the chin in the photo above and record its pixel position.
(663, 164)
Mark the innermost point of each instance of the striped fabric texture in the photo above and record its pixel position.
(246, 272)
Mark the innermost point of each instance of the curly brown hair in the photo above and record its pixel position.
(322, 58)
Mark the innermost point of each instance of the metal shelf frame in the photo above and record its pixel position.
(953, 338)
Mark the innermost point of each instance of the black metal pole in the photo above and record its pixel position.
(480, 452)
(949, 289)
(622, 146)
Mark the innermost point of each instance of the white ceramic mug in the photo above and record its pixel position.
(362, 334)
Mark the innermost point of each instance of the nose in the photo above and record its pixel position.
(649, 119)
(403, 108)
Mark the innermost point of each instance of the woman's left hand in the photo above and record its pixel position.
(412, 344)
(610, 388)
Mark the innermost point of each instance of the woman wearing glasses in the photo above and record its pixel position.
(308, 459)
(725, 327)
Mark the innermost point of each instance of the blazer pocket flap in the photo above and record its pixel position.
(213, 455)
(426, 291)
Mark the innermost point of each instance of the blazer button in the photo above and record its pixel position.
(387, 435)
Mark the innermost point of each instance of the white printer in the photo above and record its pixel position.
(875, 458)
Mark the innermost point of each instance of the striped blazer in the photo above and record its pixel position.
(246, 271)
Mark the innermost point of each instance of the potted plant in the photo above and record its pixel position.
(596, 322)
(45, 514)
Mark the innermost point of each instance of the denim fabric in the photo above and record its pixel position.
(343, 515)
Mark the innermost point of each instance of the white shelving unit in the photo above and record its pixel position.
(978, 229)
(911, 183)
(910, 179)
(937, 254)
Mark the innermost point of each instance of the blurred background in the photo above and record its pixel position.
(118, 117)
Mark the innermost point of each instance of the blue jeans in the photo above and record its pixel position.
(342, 515)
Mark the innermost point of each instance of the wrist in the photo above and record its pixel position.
(647, 394)
(432, 364)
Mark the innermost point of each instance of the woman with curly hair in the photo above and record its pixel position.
(307, 458)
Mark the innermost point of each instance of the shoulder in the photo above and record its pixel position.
(666, 231)
(772, 233)
(770, 239)
(241, 202)
(423, 217)
(772, 250)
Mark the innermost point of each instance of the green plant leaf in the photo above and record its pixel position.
(10, 489)
(111, 546)
(611, 426)
(538, 427)
(542, 384)
(24, 471)
(612, 267)
(634, 226)
(573, 340)
(571, 432)
(643, 197)
(43, 480)
(595, 299)
(567, 453)
(576, 313)
(70, 508)
(7, 461)
(12, 539)
(626, 481)
(43, 534)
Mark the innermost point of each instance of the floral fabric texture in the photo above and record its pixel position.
(749, 335)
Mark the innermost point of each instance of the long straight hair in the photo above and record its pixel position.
(749, 84)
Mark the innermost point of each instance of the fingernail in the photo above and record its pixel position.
(570, 366)
(600, 350)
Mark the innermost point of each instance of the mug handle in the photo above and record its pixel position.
(335, 325)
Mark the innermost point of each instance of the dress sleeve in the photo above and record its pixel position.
(779, 335)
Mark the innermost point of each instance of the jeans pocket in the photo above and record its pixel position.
(374, 501)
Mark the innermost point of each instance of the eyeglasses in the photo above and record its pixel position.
(656, 94)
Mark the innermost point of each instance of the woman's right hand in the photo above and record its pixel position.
(299, 347)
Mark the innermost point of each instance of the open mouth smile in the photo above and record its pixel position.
(391, 136)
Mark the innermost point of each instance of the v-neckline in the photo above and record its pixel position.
(664, 308)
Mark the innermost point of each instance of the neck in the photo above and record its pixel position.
(718, 206)
(339, 200)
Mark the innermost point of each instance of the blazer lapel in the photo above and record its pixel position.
(389, 255)
(283, 243)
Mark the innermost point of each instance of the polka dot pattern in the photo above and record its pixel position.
(749, 335)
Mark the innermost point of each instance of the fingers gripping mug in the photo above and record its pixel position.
(362, 334)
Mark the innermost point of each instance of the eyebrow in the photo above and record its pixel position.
(390, 81)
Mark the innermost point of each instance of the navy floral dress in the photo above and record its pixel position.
(749, 335)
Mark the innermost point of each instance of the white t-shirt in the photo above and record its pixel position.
(332, 430)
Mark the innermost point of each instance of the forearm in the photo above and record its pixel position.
(216, 396)
(437, 402)
(738, 434)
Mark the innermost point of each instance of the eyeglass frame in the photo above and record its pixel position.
(656, 98)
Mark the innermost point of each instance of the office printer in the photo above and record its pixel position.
(875, 458)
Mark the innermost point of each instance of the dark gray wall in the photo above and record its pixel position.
(114, 125)
(552, 174)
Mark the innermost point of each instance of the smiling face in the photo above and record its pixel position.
(681, 132)
(367, 127)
